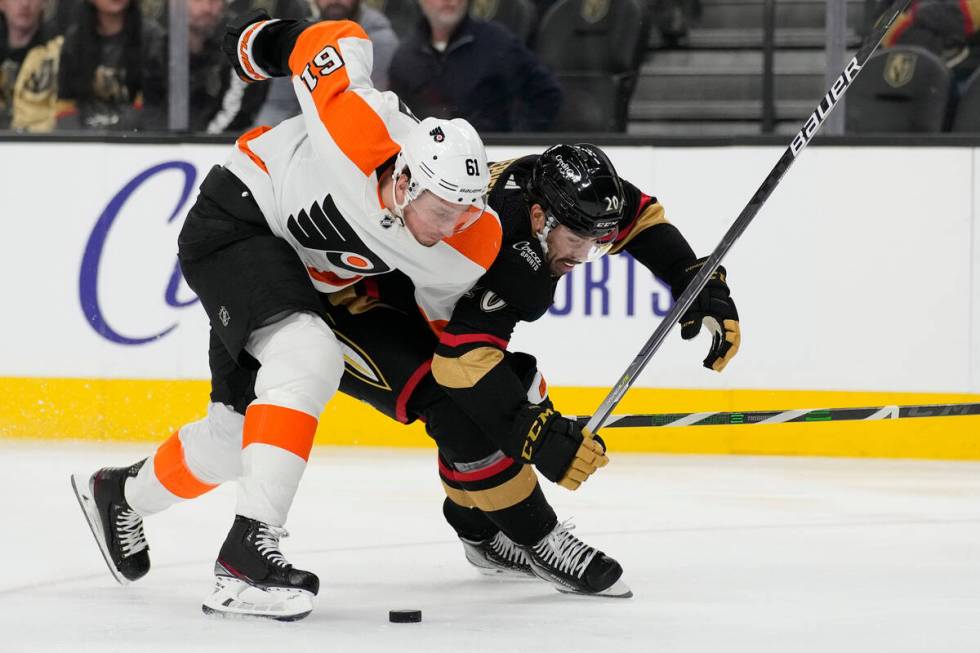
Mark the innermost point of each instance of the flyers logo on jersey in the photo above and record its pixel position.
(325, 229)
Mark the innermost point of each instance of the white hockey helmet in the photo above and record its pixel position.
(448, 159)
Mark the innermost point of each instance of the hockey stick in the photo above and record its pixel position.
(808, 415)
(798, 144)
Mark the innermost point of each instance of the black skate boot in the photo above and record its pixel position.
(498, 556)
(574, 567)
(253, 578)
(117, 528)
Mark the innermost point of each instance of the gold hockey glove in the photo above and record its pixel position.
(562, 451)
(591, 456)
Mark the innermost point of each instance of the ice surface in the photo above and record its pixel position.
(724, 554)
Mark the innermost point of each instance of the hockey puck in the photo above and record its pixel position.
(405, 616)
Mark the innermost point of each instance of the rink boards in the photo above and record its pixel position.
(857, 285)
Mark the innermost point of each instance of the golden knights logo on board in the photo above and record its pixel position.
(485, 9)
(595, 10)
(900, 68)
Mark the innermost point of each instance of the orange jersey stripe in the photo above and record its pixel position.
(353, 125)
(288, 429)
(242, 144)
(172, 471)
(358, 131)
(481, 242)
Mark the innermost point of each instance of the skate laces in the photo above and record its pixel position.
(267, 543)
(129, 531)
(506, 549)
(564, 551)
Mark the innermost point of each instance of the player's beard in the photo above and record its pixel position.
(339, 11)
(561, 266)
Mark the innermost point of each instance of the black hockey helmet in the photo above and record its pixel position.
(579, 186)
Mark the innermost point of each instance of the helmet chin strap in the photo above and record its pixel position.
(399, 208)
(549, 223)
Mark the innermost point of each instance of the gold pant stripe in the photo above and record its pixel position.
(496, 498)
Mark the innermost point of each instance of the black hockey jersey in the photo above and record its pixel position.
(519, 287)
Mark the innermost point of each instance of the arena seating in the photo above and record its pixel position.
(903, 89)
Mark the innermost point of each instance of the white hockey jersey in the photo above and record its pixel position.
(315, 177)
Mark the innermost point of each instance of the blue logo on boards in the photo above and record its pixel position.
(88, 278)
(594, 287)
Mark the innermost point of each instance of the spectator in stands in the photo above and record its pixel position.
(282, 103)
(113, 69)
(378, 28)
(457, 66)
(28, 67)
(948, 28)
(219, 100)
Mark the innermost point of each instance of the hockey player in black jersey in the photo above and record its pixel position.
(486, 407)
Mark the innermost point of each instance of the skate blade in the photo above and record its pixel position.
(82, 487)
(618, 590)
(236, 599)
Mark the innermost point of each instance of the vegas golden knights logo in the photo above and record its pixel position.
(485, 9)
(594, 10)
(358, 363)
(900, 68)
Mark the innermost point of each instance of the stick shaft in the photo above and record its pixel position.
(808, 415)
(798, 144)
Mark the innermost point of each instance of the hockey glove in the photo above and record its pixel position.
(563, 452)
(239, 56)
(714, 308)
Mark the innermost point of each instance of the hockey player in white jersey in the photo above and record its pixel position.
(351, 188)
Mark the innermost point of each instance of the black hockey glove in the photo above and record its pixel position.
(233, 33)
(562, 451)
(715, 309)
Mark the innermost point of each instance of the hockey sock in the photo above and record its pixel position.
(527, 522)
(469, 523)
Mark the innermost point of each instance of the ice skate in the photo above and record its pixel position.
(574, 567)
(253, 579)
(117, 528)
(498, 556)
